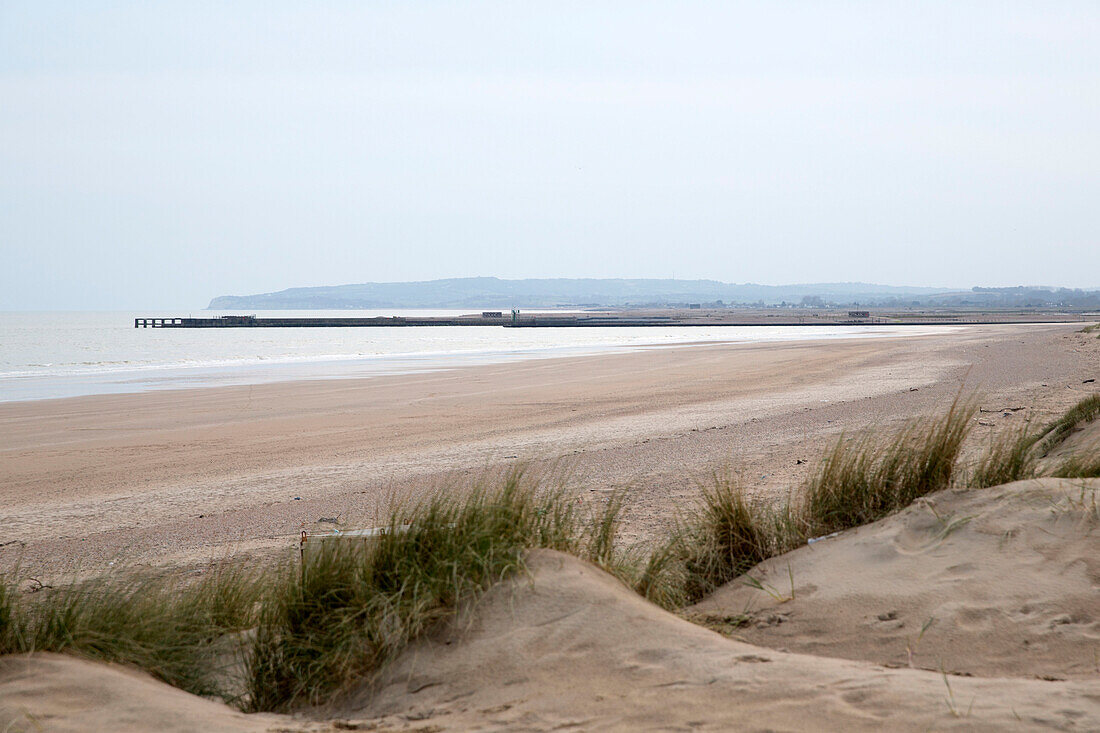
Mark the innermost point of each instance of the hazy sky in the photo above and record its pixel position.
(154, 155)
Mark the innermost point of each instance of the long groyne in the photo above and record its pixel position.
(254, 322)
(587, 321)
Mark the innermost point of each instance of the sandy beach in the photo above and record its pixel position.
(186, 476)
(969, 609)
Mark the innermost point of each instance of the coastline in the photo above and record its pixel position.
(188, 359)
(184, 476)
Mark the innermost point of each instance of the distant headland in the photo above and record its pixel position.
(492, 292)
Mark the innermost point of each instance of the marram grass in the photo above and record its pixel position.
(170, 628)
(289, 635)
(1011, 457)
(1085, 464)
(864, 479)
(1057, 432)
(348, 612)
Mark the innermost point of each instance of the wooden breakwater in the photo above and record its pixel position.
(254, 322)
(571, 321)
(518, 321)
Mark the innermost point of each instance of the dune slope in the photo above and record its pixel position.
(55, 692)
(568, 646)
(1004, 581)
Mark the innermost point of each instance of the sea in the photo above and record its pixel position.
(53, 355)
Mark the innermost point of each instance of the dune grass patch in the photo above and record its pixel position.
(725, 535)
(863, 479)
(1080, 465)
(1008, 458)
(718, 538)
(1056, 433)
(298, 633)
(349, 611)
(163, 624)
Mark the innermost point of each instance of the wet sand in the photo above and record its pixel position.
(185, 476)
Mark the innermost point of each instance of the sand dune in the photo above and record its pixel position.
(1007, 579)
(568, 646)
(53, 692)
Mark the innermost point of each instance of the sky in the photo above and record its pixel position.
(156, 154)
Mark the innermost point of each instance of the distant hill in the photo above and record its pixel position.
(491, 292)
(1019, 297)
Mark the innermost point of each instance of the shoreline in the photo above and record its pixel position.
(35, 386)
(181, 476)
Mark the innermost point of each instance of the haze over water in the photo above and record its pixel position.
(49, 355)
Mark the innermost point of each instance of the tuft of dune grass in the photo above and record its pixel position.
(864, 479)
(601, 546)
(725, 536)
(353, 608)
(1056, 433)
(720, 538)
(7, 623)
(1009, 458)
(1080, 465)
(151, 621)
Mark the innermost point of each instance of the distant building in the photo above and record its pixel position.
(859, 314)
(695, 306)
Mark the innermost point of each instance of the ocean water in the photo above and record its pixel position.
(49, 355)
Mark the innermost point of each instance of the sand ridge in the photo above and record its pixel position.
(566, 645)
(571, 647)
(54, 692)
(999, 582)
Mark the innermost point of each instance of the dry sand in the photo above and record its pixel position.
(1009, 574)
(190, 475)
